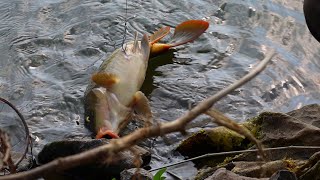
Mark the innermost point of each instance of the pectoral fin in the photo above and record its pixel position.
(142, 107)
(105, 79)
(159, 34)
(188, 31)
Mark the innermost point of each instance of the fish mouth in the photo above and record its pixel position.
(106, 134)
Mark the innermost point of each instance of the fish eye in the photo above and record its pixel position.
(88, 119)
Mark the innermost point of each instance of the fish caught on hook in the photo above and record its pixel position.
(114, 90)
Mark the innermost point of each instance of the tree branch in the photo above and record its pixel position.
(5, 148)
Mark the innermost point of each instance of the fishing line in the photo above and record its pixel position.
(125, 29)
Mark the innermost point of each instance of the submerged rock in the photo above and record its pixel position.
(106, 168)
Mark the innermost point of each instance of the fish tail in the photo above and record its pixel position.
(188, 31)
(184, 33)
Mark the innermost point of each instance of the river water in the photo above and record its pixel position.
(49, 49)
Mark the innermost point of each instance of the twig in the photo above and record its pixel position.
(28, 140)
(234, 152)
(117, 145)
(6, 151)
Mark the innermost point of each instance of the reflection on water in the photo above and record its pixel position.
(50, 48)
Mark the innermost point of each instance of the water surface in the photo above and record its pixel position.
(50, 48)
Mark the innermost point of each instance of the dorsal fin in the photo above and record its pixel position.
(135, 46)
(145, 47)
(159, 34)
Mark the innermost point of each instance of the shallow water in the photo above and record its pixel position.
(50, 48)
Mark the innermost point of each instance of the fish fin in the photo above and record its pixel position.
(159, 34)
(159, 48)
(135, 43)
(105, 79)
(188, 31)
(145, 47)
(142, 107)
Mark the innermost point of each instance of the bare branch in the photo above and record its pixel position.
(5, 149)
(117, 145)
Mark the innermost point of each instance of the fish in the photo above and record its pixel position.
(113, 93)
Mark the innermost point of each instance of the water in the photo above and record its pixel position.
(50, 48)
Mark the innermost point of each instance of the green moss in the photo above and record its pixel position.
(218, 139)
(253, 126)
(291, 164)
(227, 139)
